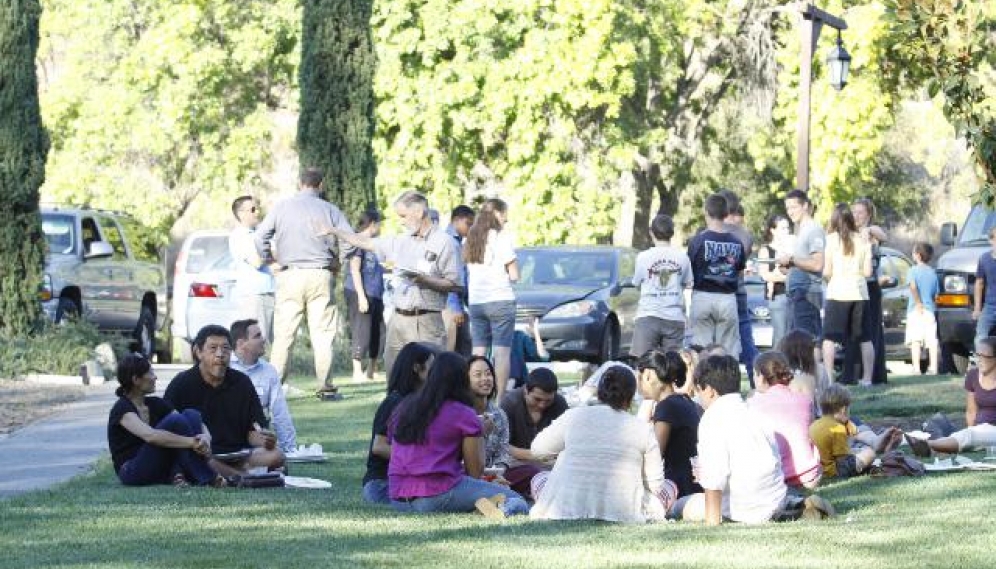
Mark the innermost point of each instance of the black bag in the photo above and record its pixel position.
(895, 463)
(267, 480)
(939, 426)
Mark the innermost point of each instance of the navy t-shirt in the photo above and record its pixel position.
(122, 443)
(377, 466)
(682, 415)
(987, 270)
(717, 259)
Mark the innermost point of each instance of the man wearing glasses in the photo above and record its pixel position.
(253, 291)
(227, 402)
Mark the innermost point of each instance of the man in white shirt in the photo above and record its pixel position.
(738, 465)
(250, 345)
(254, 286)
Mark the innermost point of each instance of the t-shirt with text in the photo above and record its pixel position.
(662, 273)
(717, 259)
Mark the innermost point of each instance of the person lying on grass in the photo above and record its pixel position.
(846, 450)
(738, 465)
(980, 408)
(430, 433)
(608, 465)
(411, 367)
(227, 402)
(150, 442)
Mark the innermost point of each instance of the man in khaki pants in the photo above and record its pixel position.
(306, 280)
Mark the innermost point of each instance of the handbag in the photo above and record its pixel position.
(895, 463)
(266, 480)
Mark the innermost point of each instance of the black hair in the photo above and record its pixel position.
(237, 204)
(491, 367)
(447, 381)
(732, 200)
(617, 387)
(716, 207)
(722, 373)
(662, 227)
(542, 378)
(667, 366)
(403, 378)
(770, 224)
(924, 250)
(312, 178)
(366, 218)
(240, 329)
(130, 367)
(210, 331)
(462, 212)
(798, 346)
(798, 195)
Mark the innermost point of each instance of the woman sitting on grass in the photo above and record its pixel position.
(150, 442)
(608, 462)
(494, 421)
(430, 433)
(810, 377)
(980, 408)
(407, 376)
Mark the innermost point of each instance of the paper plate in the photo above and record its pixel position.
(305, 482)
(303, 458)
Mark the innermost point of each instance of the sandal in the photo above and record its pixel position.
(920, 446)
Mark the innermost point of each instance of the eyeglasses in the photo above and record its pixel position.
(986, 356)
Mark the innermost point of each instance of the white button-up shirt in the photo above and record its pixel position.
(271, 395)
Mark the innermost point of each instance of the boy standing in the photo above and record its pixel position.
(718, 259)
(921, 324)
(662, 273)
(846, 451)
(985, 312)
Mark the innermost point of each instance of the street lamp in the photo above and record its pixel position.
(812, 23)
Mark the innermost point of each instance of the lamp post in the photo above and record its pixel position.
(813, 20)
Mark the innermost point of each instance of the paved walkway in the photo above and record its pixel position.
(64, 445)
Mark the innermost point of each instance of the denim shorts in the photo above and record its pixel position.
(492, 323)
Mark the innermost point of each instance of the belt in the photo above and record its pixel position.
(306, 268)
(414, 312)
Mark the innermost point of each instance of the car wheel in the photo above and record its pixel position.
(145, 334)
(609, 349)
(67, 310)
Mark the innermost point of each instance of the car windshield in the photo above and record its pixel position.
(204, 252)
(976, 226)
(553, 267)
(60, 233)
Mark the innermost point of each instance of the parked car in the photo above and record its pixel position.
(583, 296)
(96, 269)
(760, 314)
(956, 276)
(201, 250)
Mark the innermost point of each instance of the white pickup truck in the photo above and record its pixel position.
(96, 269)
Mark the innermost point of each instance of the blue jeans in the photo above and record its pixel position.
(985, 323)
(779, 318)
(492, 323)
(157, 465)
(805, 308)
(461, 498)
(376, 492)
(748, 351)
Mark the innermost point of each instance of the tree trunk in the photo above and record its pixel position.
(23, 147)
(336, 124)
(650, 185)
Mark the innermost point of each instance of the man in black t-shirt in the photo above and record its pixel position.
(226, 399)
(530, 409)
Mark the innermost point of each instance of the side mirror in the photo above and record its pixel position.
(887, 282)
(949, 231)
(99, 249)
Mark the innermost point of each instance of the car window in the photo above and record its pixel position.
(113, 236)
(204, 251)
(901, 268)
(977, 225)
(60, 233)
(141, 241)
(551, 267)
(89, 233)
(627, 265)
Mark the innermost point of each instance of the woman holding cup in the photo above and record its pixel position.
(494, 421)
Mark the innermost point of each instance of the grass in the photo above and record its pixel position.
(941, 520)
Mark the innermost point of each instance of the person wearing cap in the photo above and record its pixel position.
(530, 409)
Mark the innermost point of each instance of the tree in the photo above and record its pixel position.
(948, 47)
(23, 146)
(336, 124)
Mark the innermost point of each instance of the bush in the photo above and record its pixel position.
(56, 349)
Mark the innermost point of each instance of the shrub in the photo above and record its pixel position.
(56, 349)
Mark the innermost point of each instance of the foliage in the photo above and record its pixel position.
(23, 146)
(948, 47)
(56, 349)
(153, 105)
(336, 124)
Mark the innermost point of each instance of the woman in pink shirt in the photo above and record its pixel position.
(437, 453)
(788, 415)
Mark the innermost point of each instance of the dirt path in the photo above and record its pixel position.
(22, 403)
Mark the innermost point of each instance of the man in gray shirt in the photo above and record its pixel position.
(805, 278)
(426, 259)
(308, 264)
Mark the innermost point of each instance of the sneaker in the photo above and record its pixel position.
(491, 507)
(817, 508)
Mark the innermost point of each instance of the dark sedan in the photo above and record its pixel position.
(583, 296)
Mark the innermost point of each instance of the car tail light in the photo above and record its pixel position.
(956, 300)
(204, 290)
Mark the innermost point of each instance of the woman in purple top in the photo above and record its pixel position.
(788, 415)
(431, 433)
(980, 408)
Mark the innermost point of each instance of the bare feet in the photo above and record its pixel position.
(887, 440)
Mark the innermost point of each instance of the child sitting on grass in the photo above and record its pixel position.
(846, 450)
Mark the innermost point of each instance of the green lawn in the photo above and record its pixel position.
(943, 520)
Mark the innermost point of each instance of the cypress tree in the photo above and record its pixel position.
(336, 123)
(23, 146)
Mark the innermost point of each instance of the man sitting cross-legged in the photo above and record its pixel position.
(226, 400)
(530, 409)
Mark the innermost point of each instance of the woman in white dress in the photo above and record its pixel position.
(608, 465)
